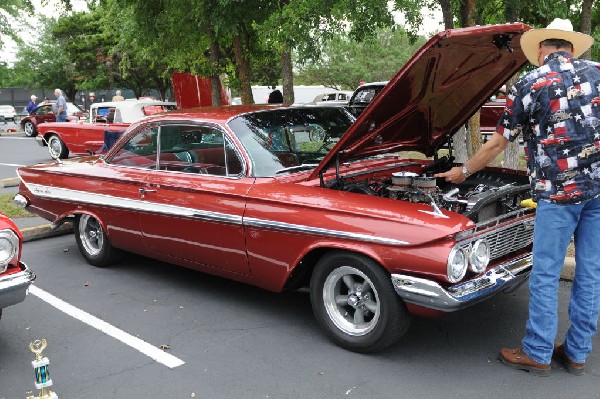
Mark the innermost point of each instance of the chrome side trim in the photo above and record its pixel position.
(146, 206)
(13, 287)
(428, 293)
(297, 228)
(132, 204)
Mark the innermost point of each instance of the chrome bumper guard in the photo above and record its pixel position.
(427, 293)
(14, 287)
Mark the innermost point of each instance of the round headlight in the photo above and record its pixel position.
(9, 245)
(457, 264)
(480, 256)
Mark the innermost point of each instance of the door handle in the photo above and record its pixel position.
(143, 191)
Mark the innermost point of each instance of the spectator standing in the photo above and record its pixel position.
(60, 106)
(32, 104)
(118, 96)
(555, 100)
(275, 97)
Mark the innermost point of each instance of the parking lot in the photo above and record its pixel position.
(143, 328)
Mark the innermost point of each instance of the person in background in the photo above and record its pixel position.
(553, 107)
(32, 104)
(275, 97)
(60, 106)
(118, 96)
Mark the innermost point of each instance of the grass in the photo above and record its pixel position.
(10, 209)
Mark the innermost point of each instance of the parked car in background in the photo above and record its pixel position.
(284, 197)
(63, 138)
(8, 112)
(332, 98)
(43, 114)
(15, 276)
(491, 111)
(363, 96)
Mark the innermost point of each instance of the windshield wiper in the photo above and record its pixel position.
(297, 168)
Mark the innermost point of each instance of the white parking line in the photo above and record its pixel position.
(128, 339)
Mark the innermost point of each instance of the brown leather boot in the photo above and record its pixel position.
(517, 359)
(560, 356)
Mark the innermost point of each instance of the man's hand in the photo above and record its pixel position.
(454, 175)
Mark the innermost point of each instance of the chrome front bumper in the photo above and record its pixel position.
(40, 140)
(427, 293)
(13, 287)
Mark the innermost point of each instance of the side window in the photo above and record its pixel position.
(197, 149)
(140, 151)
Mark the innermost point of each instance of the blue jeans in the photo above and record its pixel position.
(554, 227)
(62, 117)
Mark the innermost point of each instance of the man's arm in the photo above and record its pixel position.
(482, 157)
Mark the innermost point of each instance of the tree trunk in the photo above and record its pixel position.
(511, 153)
(214, 58)
(586, 24)
(287, 74)
(459, 145)
(474, 134)
(242, 70)
(447, 14)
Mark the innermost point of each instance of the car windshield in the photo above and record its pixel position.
(288, 140)
(73, 109)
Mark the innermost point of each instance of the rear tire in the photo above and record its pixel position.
(57, 148)
(29, 129)
(93, 242)
(355, 303)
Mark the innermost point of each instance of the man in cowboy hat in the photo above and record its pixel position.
(557, 107)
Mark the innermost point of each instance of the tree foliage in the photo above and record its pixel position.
(344, 62)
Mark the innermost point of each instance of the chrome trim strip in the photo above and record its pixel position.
(146, 206)
(122, 203)
(297, 228)
(428, 293)
(13, 287)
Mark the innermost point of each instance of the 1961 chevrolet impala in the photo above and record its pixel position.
(288, 197)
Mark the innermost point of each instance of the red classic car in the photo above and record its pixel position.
(289, 197)
(15, 276)
(43, 114)
(63, 138)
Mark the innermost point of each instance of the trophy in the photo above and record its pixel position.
(42, 374)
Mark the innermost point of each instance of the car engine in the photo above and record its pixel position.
(481, 197)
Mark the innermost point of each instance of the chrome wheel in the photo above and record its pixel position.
(91, 235)
(57, 148)
(355, 302)
(29, 129)
(351, 301)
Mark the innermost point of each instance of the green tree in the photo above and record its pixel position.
(344, 62)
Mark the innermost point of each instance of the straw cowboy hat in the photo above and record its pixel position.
(558, 29)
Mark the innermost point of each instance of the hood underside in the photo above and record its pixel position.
(436, 92)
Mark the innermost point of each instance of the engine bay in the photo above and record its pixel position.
(482, 196)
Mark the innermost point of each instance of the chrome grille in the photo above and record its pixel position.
(505, 239)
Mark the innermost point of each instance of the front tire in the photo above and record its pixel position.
(93, 242)
(29, 129)
(57, 148)
(355, 303)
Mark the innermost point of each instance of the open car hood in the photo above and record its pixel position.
(436, 92)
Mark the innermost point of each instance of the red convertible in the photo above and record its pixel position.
(15, 276)
(306, 196)
(64, 138)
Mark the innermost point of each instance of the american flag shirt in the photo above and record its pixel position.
(556, 108)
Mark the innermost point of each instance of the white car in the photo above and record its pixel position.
(127, 111)
(8, 112)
